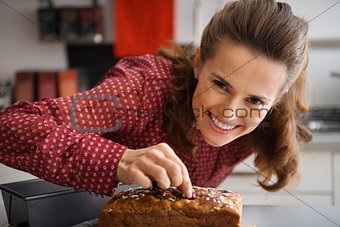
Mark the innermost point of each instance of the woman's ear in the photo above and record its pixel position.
(197, 63)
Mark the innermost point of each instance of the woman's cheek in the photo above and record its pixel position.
(254, 120)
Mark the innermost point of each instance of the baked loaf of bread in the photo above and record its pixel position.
(158, 207)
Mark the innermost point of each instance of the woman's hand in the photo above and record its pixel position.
(158, 162)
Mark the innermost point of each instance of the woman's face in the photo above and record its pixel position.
(235, 90)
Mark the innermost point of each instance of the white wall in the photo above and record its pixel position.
(20, 47)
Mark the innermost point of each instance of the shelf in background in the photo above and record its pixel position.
(324, 43)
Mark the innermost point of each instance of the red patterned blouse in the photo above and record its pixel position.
(77, 141)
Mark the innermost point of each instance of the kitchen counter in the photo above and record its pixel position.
(291, 216)
(324, 141)
(281, 216)
(270, 216)
(326, 137)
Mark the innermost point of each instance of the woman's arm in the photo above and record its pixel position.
(61, 140)
(34, 138)
(52, 138)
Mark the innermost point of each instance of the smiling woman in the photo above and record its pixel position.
(253, 55)
(239, 91)
(180, 118)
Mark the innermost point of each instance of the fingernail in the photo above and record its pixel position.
(189, 193)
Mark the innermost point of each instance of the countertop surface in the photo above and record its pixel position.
(326, 137)
(324, 141)
(291, 216)
(280, 216)
(271, 216)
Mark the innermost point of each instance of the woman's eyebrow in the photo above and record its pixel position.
(261, 97)
(222, 79)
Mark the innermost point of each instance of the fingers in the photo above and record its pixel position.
(158, 162)
(169, 172)
(159, 174)
(164, 170)
(138, 177)
(173, 170)
(185, 185)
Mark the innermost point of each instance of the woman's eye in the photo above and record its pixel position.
(220, 85)
(255, 101)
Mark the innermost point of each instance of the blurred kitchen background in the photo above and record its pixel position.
(78, 48)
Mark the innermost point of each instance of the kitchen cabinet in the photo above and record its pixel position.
(297, 216)
(192, 16)
(322, 17)
(315, 185)
(336, 165)
(319, 182)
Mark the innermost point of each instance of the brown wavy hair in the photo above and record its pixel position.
(271, 29)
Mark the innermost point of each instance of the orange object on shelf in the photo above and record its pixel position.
(142, 27)
(67, 82)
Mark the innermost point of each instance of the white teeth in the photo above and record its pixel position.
(221, 125)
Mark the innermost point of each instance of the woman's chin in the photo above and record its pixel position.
(216, 140)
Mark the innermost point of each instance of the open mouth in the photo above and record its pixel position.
(221, 125)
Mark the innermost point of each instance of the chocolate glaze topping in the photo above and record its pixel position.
(210, 197)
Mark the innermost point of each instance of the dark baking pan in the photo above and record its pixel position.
(38, 203)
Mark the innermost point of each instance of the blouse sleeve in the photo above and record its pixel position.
(63, 140)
